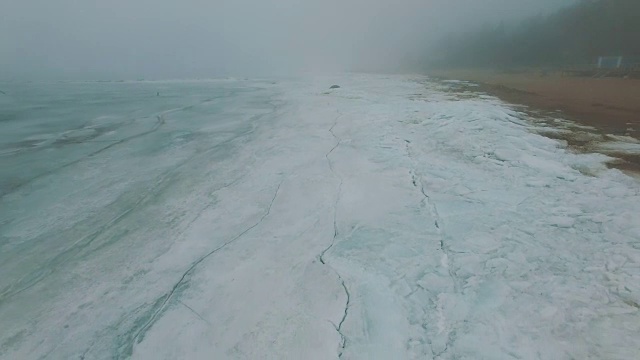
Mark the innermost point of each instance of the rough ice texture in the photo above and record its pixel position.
(394, 219)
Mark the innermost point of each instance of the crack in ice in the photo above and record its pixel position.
(446, 260)
(194, 312)
(343, 338)
(140, 334)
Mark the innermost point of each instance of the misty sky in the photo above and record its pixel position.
(159, 39)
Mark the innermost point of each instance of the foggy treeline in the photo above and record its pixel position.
(573, 36)
(163, 39)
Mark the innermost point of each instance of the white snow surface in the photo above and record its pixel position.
(387, 219)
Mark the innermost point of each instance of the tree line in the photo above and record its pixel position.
(576, 35)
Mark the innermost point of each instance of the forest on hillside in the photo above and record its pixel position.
(574, 36)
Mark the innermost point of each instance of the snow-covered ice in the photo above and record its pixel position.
(388, 219)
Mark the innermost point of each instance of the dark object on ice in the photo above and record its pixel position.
(158, 94)
(2, 92)
(334, 87)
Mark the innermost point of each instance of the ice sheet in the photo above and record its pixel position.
(387, 219)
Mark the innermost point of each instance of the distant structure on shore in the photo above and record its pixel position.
(617, 62)
(617, 66)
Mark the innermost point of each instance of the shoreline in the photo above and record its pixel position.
(605, 110)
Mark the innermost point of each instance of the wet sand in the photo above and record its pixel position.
(610, 105)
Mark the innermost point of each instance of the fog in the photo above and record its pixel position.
(159, 39)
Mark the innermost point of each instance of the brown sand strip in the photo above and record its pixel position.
(611, 105)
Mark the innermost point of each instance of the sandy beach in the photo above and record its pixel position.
(610, 105)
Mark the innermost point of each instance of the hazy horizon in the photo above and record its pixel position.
(147, 39)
